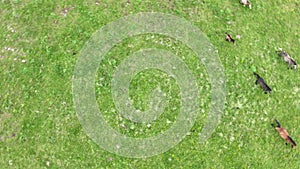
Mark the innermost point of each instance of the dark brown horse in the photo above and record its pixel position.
(262, 83)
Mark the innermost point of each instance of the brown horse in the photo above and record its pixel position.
(284, 134)
(229, 38)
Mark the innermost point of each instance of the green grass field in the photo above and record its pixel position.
(40, 44)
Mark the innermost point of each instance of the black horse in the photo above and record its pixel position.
(262, 83)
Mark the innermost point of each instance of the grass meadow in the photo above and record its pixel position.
(40, 44)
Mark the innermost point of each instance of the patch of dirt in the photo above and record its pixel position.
(8, 128)
(63, 11)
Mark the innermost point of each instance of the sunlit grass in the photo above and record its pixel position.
(40, 43)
